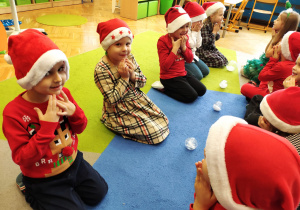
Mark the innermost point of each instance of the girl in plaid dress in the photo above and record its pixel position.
(208, 52)
(126, 109)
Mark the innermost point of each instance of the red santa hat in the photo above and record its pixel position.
(211, 7)
(250, 168)
(282, 110)
(112, 31)
(33, 54)
(290, 45)
(176, 17)
(195, 11)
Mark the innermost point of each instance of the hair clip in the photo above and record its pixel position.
(288, 6)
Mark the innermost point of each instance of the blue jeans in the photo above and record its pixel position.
(197, 68)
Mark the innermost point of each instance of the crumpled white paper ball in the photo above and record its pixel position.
(223, 84)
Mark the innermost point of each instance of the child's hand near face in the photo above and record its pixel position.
(277, 51)
(197, 26)
(123, 70)
(67, 108)
(205, 198)
(131, 67)
(183, 42)
(176, 45)
(216, 27)
(51, 112)
(290, 81)
(264, 124)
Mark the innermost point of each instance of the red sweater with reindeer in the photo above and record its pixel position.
(41, 149)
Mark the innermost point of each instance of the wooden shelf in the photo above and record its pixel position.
(129, 9)
(35, 6)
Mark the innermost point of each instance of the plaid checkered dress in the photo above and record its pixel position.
(208, 52)
(295, 140)
(126, 109)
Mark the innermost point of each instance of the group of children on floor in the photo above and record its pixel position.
(42, 123)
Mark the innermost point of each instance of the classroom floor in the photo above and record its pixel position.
(79, 39)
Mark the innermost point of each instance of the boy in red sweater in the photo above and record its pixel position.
(173, 50)
(41, 126)
(246, 167)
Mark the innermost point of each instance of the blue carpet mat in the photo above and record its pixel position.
(162, 176)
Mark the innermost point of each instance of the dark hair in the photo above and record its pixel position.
(291, 21)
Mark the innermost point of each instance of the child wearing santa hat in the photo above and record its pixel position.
(126, 109)
(294, 79)
(277, 69)
(41, 127)
(245, 167)
(173, 51)
(208, 52)
(277, 112)
(197, 14)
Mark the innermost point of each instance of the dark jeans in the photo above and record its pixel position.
(253, 110)
(80, 184)
(185, 89)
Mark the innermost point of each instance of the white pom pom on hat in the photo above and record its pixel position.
(7, 58)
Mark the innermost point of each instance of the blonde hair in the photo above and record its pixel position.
(291, 19)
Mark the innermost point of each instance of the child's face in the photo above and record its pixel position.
(182, 31)
(278, 24)
(200, 23)
(119, 50)
(53, 81)
(296, 70)
(218, 16)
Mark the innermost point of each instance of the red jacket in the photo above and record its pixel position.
(172, 65)
(38, 146)
(276, 71)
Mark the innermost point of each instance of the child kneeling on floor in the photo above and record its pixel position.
(127, 110)
(41, 127)
(208, 52)
(173, 51)
(245, 167)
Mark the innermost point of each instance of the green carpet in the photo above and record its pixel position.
(61, 20)
(96, 137)
(216, 75)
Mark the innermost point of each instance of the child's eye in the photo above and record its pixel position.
(118, 44)
(128, 44)
(47, 74)
(61, 68)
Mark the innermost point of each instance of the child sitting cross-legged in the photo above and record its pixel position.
(41, 126)
(246, 168)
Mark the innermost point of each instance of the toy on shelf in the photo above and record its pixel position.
(8, 22)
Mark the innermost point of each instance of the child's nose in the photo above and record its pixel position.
(57, 77)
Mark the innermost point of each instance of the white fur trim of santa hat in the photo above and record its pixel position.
(175, 18)
(195, 11)
(216, 164)
(112, 31)
(290, 45)
(212, 7)
(33, 54)
(281, 109)
(41, 67)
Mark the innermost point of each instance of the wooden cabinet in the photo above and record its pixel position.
(34, 6)
(137, 9)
